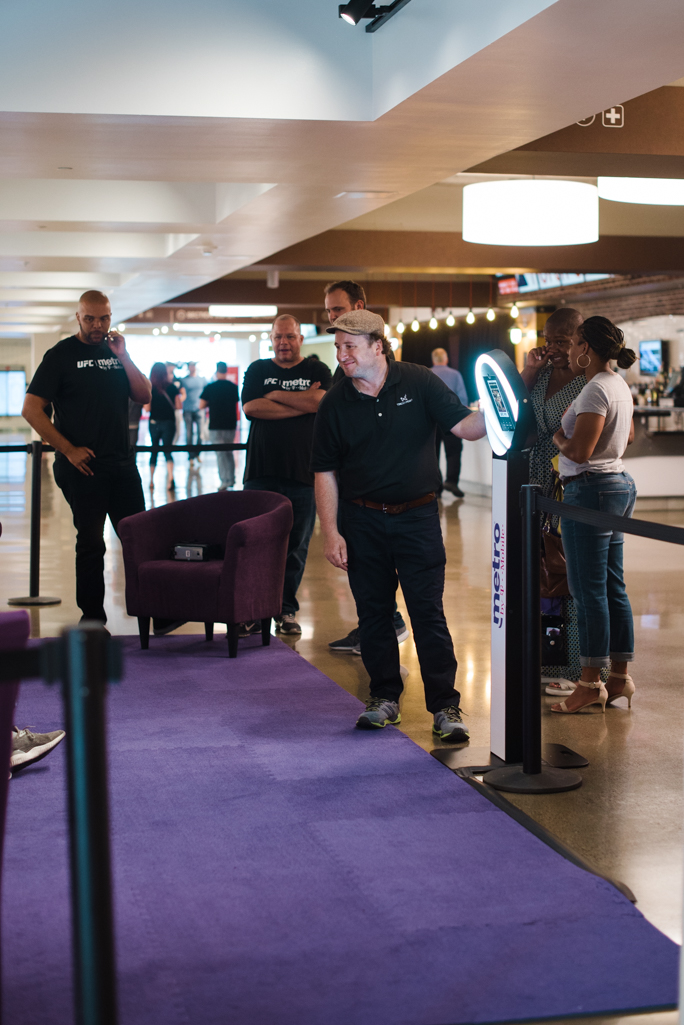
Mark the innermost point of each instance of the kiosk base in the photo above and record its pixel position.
(477, 760)
(562, 757)
(36, 600)
(513, 780)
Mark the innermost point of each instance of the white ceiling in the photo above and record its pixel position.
(209, 137)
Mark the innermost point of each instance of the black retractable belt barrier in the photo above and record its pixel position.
(84, 659)
(534, 777)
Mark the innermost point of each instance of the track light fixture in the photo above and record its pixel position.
(356, 10)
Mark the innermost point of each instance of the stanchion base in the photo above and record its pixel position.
(37, 600)
(513, 780)
(562, 757)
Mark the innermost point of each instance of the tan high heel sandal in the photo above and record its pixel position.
(626, 692)
(600, 700)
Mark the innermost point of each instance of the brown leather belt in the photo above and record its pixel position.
(394, 510)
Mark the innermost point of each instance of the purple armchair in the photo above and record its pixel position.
(251, 528)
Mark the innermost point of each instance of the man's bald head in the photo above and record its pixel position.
(440, 357)
(564, 320)
(94, 317)
(93, 296)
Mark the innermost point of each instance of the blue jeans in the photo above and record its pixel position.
(193, 419)
(162, 431)
(224, 460)
(595, 574)
(304, 518)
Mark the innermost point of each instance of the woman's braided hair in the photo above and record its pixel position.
(607, 341)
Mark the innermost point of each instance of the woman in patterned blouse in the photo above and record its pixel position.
(553, 387)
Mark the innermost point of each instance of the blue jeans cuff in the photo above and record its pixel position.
(595, 661)
(622, 656)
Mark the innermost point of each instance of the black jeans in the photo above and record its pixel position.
(115, 492)
(304, 518)
(408, 549)
(453, 448)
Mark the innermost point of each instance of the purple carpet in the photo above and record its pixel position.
(275, 867)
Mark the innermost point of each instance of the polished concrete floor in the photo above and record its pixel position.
(625, 819)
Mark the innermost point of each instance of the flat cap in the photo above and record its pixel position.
(359, 322)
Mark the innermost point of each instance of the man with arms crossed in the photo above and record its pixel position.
(343, 297)
(281, 397)
(374, 448)
(89, 379)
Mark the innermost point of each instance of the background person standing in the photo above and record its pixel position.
(89, 379)
(166, 399)
(281, 397)
(221, 399)
(453, 446)
(193, 385)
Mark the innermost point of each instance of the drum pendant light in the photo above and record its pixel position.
(528, 212)
(651, 191)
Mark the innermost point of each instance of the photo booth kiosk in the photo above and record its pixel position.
(511, 432)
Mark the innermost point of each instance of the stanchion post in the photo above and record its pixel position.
(34, 597)
(36, 470)
(84, 674)
(532, 777)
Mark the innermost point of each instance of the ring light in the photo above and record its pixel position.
(505, 403)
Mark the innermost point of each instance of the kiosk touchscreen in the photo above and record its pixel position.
(510, 424)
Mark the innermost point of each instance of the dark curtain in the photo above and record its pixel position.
(464, 343)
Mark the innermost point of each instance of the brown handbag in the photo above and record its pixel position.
(554, 574)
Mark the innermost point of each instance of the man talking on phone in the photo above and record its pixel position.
(88, 379)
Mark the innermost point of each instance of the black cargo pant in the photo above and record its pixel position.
(115, 492)
(382, 551)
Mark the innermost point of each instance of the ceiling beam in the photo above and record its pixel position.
(343, 252)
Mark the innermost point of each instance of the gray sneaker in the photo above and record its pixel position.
(28, 747)
(448, 725)
(287, 624)
(379, 712)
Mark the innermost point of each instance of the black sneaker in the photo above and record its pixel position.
(453, 488)
(448, 725)
(287, 624)
(250, 629)
(162, 627)
(347, 643)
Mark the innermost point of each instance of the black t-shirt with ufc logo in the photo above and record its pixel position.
(281, 448)
(89, 390)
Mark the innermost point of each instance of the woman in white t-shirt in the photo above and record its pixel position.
(596, 429)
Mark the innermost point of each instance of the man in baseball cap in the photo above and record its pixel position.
(375, 464)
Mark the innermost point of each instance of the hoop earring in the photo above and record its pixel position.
(588, 359)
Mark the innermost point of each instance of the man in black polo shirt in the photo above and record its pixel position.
(374, 447)
(89, 379)
(281, 396)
